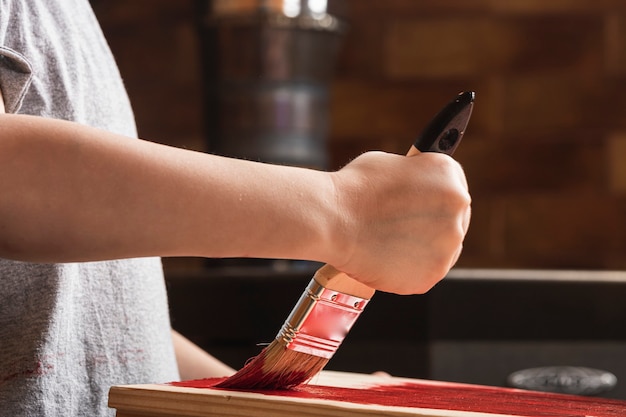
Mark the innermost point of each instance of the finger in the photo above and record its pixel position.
(466, 219)
(412, 151)
(456, 256)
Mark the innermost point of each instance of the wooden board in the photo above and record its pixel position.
(338, 394)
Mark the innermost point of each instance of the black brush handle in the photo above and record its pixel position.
(445, 131)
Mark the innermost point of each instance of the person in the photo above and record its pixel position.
(87, 209)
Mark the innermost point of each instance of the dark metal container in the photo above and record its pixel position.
(267, 67)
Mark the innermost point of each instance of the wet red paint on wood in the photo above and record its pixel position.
(276, 367)
(450, 396)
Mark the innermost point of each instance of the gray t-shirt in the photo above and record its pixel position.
(70, 331)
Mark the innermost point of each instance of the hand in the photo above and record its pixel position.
(404, 219)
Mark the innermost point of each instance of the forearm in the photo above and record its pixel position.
(195, 363)
(73, 193)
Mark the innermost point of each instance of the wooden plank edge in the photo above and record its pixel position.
(169, 401)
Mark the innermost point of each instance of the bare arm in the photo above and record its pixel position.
(74, 193)
(195, 363)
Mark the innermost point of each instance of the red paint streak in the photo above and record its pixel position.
(275, 368)
(47, 363)
(38, 370)
(28, 369)
(451, 396)
(253, 377)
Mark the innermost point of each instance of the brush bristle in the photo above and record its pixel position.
(276, 367)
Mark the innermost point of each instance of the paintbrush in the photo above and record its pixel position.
(332, 302)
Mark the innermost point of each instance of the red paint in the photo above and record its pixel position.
(451, 396)
(275, 368)
(253, 377)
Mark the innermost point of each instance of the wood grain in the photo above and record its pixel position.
(337, 394)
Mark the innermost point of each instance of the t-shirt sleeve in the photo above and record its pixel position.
(15, 78)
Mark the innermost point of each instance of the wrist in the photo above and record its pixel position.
(344, 219)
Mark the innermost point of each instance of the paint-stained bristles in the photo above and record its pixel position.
(276, 367)
(312, 333)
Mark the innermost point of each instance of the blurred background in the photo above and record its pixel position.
(316, 83)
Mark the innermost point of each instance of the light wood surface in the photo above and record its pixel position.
(169, 401)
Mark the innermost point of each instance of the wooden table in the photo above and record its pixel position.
(337, 394)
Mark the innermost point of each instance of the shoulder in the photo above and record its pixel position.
(73, 73)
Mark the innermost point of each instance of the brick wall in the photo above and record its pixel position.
(545, 152)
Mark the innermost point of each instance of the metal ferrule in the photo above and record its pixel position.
(320, 320)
